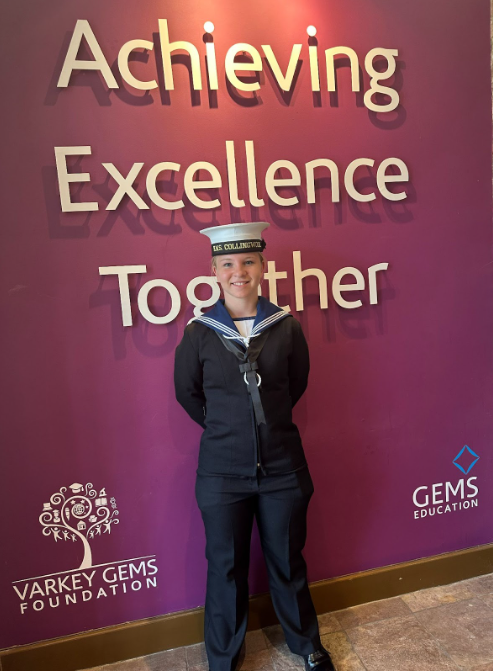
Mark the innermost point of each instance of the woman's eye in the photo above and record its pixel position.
(249, 263)
(226, 265)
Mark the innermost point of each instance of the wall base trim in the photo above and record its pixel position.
(144, 637)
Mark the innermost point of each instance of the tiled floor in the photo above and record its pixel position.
(440, 629)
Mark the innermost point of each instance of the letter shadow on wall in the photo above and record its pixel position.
(111, 299)
(314, 209)
(252, 98)
(206, 38)
(394, 119)
(79, 221)
(198, 218)
(122, 213)
(340, 63)
(164, 187)
(91, 79)
(316, 95)
(358, 324)
(155, 340)
(254, 214)
(287, 218)
(367, 320)
(143, 98)
(147, 337)
(284, 97)
(368, 212)
(398, 211)
(176, 59)
(133, 219)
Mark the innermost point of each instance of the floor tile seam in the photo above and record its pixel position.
(384, 619)
(281, 666)
(361, 661)
(354, 651)
(481, 597)
(445, 651)
(448, 603)
(443, 587)
(350, 645)
(439, 645)
(369, 603)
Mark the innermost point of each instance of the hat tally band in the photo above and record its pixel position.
(238, 247)
(236, 238)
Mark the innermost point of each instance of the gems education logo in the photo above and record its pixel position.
(465, 459)
(441, 498)
(79, 514)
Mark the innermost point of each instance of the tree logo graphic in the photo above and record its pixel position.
(79, 514)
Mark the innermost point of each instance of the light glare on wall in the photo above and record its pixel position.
(312, 31)
(209, 27)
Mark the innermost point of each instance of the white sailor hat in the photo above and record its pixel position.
(236, 238)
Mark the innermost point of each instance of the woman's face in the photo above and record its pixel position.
(239, 274)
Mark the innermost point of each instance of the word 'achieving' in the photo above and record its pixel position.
(234, 63)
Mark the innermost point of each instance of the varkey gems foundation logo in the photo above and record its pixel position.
(82, 515)
(448, 497)
(79, 514)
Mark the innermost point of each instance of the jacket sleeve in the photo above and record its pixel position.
(299, 363)
(188, 380)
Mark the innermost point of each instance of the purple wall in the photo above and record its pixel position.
(397, 389)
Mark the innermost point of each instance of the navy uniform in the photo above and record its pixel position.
(241, 390)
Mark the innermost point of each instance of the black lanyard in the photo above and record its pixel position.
(249, 367)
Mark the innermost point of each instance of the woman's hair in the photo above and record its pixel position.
(213, 261)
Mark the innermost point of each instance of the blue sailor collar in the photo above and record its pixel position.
(218, 319)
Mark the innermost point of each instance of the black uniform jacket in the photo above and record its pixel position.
(211, 388)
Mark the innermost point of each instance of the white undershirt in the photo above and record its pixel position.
(244, 326)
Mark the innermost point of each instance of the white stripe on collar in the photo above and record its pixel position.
(213, 322)
(269, 321)
(231, 334)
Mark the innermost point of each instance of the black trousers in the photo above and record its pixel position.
(228, 506)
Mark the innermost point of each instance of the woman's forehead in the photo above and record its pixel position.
(237, 257)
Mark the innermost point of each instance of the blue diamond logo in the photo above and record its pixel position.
(466, 459)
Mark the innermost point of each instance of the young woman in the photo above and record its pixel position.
(239, 370)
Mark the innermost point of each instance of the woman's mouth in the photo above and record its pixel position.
(240, 284)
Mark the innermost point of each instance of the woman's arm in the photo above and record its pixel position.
(299, 363)
(188, 380)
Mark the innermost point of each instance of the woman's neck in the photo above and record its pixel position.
(246, 307)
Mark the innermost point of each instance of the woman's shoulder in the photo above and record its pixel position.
(288, 328)
(289, 322)
(194, 329)
(291, 329)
